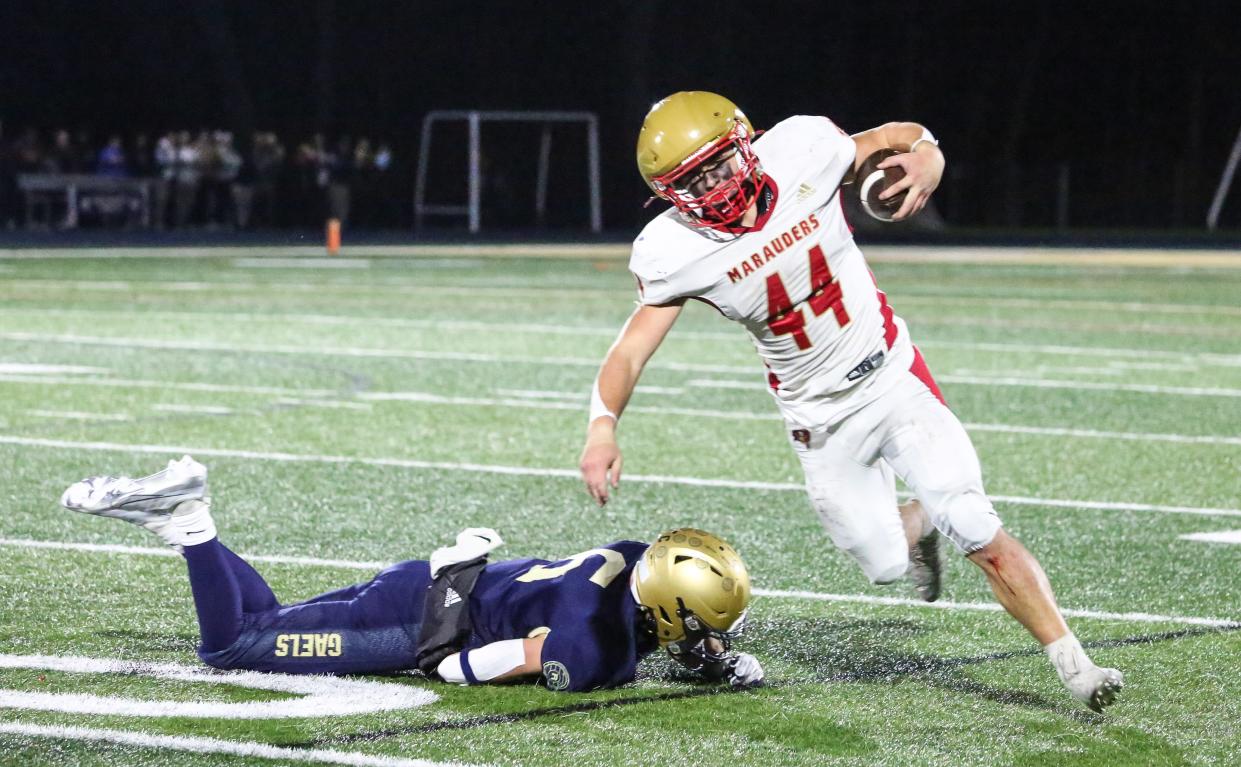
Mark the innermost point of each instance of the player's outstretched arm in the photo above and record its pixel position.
(500, 661)
(923, 164)
(639, 338)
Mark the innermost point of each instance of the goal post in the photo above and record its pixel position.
(1225, 182)
(473, 120)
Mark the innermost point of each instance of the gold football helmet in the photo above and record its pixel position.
(694, 590)
(690, 132)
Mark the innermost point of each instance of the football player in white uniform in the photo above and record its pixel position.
(756, 230)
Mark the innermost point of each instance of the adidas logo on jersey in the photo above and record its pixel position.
(804, 192)
(451, 597)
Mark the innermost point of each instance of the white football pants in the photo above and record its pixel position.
(850, 469)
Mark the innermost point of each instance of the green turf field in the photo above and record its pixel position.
(364, 412)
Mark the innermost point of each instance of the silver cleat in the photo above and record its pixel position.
(147, 501)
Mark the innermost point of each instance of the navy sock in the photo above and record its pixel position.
(217, 597)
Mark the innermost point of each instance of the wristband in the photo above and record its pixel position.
(926, 136)
(597, 408)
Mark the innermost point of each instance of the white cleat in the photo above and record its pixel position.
(1094, 686)
(147, 501)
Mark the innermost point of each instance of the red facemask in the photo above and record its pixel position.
(728, 201)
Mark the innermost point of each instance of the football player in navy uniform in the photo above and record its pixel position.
(579, 623)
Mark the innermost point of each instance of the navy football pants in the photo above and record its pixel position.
(369, 627)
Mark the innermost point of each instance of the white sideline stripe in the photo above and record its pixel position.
(302, 263)
(1226, 536)
(146, 343)
(773, 593)
(316, 695)
(337, 404)
(207, 409)
(1038, 383)
(1177, 260)
(1210, 358)
(76, 415)
(994, 607)
(115, 548)
(572, 401)
(34, 369)
(1185, 391)
(1189, 439)
(197, 745)
(1067, 303)
(129, 383)
(582, 330)
(526, 471)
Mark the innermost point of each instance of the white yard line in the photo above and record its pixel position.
(1225, 536)
(75, 415)
(196, 745)
(169, 407)
(19, 368)
(1043, 383)
(569, 401)
(131, 383)
(772, 593)
(529, 471)
(1207, 358)
(146, 551)
(592, 362)
(993, 607)
(301, 263)
(349, 351)
(316, 695)
(1140, 307)
(1038, 383)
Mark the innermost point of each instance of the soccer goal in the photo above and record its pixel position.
(475, 180)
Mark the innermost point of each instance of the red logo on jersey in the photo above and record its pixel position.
(772, 249)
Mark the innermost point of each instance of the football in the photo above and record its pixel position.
(870, 181)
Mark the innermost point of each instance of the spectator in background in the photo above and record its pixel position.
(364, 184)
(243, 188)
(339, 191)
(387, 198)
(63, 156)
(220, 163)
(141, 158)
(84, 148)
(8, 184)
(268, 155)
(111, 161)
(165, 178)
(185, 189)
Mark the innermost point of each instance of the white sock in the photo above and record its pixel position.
(1067, 655)
(191, 523)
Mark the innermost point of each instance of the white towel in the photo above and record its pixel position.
(472, 543)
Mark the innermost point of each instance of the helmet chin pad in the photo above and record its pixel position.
(727, 202)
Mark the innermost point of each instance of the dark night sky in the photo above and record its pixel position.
(1143, 101)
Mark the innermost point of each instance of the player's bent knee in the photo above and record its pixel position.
(968, 519)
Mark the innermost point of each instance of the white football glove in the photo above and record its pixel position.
(744, 670)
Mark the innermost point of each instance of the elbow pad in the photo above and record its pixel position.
(484, 663)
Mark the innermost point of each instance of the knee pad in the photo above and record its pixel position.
(967, 518)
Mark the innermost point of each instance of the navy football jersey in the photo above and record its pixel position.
(585, 603)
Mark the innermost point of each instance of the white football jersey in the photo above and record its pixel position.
(796, 281)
